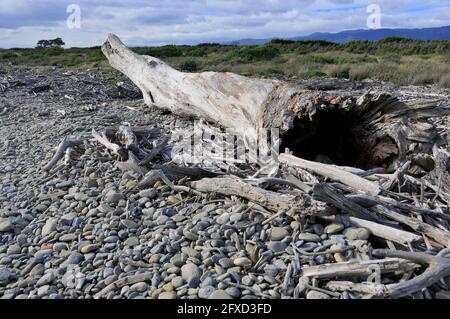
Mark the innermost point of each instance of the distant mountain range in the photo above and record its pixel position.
(439, 33)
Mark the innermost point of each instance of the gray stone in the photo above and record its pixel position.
(277, 246)
(190, 270)
(132, 241)
(6, 225)
(243, 262)
(356, 234)
(189, 235)
(129, 224)
(49, 227)
(233, 292)
(148, 193)
(318, 229)
(177, 282)
(191, 252)
(113, 197)
(226, 263)
(278, 233)
(223, 219)
(13, 250)
(140, 287)
(168, 295)
(5, 276)
(58, 247)
(89, 248)
(68, 238)
(309, 237)
(67, 219)
(312, 294)
(46, 279)
(219, 294)
(205, 292)
(74, 258)
(334, 228)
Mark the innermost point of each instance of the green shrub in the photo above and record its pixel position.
(189, 66)
(254, 54)
(166, 51)
(196, 52)
(315, 73)
(8, 55)
(95, 56)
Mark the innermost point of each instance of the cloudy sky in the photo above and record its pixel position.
(156, 22)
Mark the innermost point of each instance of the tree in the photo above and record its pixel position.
(55, 43)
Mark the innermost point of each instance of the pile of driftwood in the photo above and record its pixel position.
(386, 168)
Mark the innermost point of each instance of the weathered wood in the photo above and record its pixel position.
(368, 201)
(159, 147)
(332, 172)
(357, 268)
(328, 194)
(389, 233)
(65, 144)
(364, 287)
(114, 148)
(438, 268)
(440, 236)
(231, 186)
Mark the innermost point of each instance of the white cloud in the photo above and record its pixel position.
(151, 22)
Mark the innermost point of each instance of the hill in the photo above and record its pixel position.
(439, 33)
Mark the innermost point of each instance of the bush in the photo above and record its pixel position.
(315, 73)
(196, 52)
(166, 51)
(189, 66)
(95, 56)
(254, 54)
(8, 55)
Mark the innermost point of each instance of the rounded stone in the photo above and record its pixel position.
(308, 237)
(243, 262)
(278, 233)
(334, 228)
(356, 233)
(219, 294)
(316, 295)
(205, 292)
(190, 270)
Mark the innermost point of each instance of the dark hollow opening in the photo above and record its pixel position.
(335, 138)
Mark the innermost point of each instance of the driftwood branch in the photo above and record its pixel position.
(230, 186)
(65, 144)
(438, 268)
(114, 148)
(332, 172)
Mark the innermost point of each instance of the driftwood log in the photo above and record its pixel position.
(363, 159)
(370, 129)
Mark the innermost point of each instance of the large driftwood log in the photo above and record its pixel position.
(375, 128)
